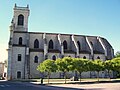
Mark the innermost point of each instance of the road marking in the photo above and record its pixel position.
(2, 85)
(7, 85)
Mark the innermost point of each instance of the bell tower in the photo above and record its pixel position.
(18, 50)
(20, 18)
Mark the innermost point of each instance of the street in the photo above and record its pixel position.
(8, 85)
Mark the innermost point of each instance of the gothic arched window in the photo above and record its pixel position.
(65, 44)
(20, 41)
(53, 57)
(84, 57)
(98, 57)
(36, 59)
(36, 43)
(21, 20)
(51, 45)
(78, 44)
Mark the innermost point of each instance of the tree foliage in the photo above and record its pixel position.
(117, 54)
(47, 66)
(79, 65)
(98, 66)
(108, 65)
(116, 64)
(64, 65)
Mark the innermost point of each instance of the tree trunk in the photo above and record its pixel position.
(109, 75)
(98, 76)
(65, 77)
(48, 77)
(80, 76)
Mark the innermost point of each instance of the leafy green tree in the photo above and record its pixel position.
(98, 66)
(80, 65)
(64, 65)
(117, 54)
(47, 66)
(90, 65)
(116, 64)
(108, 64)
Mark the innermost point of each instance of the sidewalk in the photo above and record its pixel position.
(86, 86)
(100, 86)
(95, 86)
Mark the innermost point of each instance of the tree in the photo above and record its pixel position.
(80, 65)
(64, 65)
(47, 66)
(116, 64)
(90, 65)
(113, 65)
(109, 66)
(117, 54)
(98, 66)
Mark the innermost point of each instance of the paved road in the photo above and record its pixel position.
(8, 85)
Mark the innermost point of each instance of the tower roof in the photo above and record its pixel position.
(21, 8)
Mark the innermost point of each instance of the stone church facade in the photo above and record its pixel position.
(28, 49)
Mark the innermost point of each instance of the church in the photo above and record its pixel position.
(28, 49)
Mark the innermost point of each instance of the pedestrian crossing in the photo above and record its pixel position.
(4, 85)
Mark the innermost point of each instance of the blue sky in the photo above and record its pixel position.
(84, 17)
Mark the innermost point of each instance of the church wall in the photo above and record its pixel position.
(108, 48)
(53, 37)
(102, 56)
(69, 54)
(67, 38)
(83, 43)
(50, 55)
(96, 44)
(33, 66)
(55, 75)
(17, 36)
(102, 74)
(85, 74)
(9, 70)
(18, 65)
(33, 37)
(86, 55)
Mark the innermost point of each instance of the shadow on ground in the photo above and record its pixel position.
(32, 86)
(64, 88)
(10, 85)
